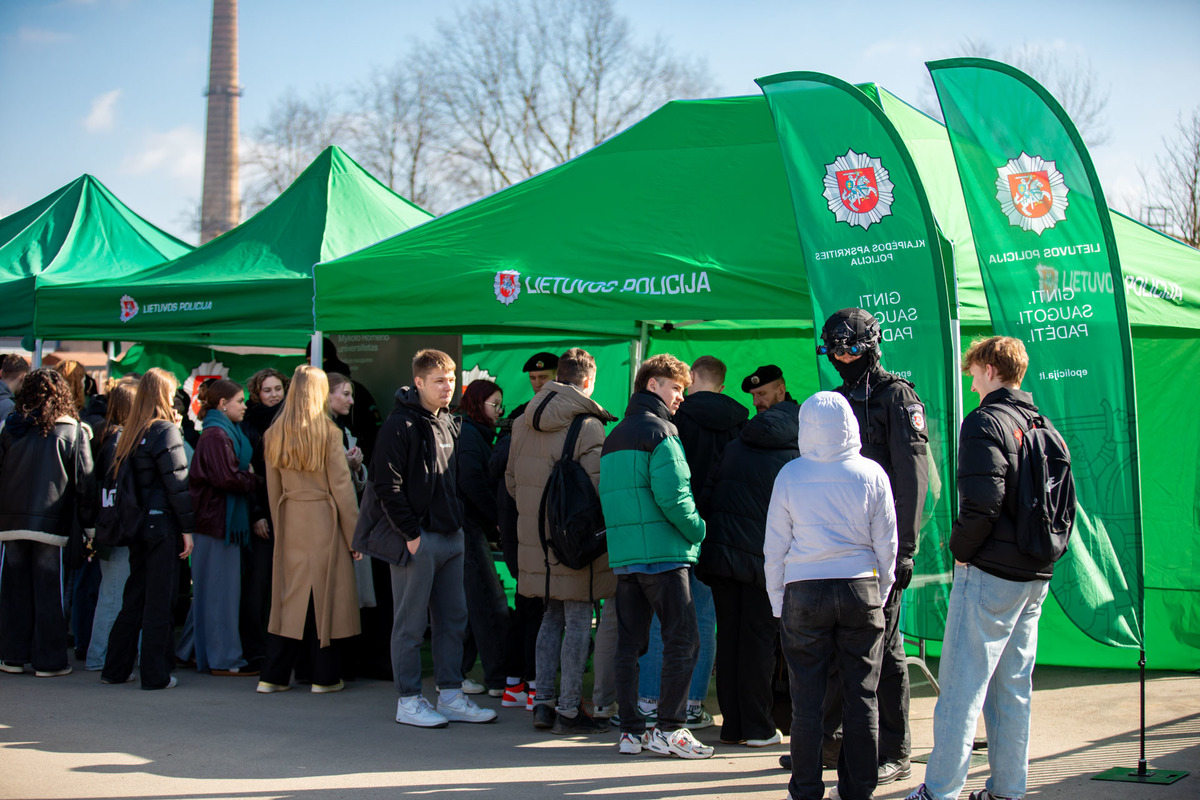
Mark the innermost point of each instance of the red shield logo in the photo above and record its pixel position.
(1031, 193)
(508, 284)
(858, 189)
(129, 308)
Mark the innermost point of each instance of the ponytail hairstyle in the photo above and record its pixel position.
(298, 437)
(151, 402)
(213, 392)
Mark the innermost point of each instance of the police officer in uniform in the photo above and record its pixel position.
(891, 421)
(540, 367)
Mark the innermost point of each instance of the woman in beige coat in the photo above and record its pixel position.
(314, 511)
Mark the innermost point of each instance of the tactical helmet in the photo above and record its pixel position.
(851, 330)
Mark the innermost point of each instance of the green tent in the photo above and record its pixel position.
(81, 232)
(685, 219)
(252, 285)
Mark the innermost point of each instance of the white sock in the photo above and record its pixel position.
(447, 695)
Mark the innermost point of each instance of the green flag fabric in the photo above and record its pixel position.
(1047, 251)
(869, 240)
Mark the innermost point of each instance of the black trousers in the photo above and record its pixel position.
(255, 611)
(32, 627)
(895, 742)
(282, 653)
(487, 610)
(826, 621)
(639, 597)
(521, 645)
(147, 606)
(747, 635)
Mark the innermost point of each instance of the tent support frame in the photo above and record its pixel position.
(1159, 777)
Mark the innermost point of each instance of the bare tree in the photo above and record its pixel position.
(1175, 191)
(1072, 81)
(529, 84)
(294, 134)
(399, 133)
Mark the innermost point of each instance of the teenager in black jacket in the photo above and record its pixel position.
(153, 441)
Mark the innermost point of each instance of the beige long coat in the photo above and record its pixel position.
(314, 514)
(537, 442)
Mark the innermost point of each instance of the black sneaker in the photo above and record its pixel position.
(581, 724)
(543, 715)
(892, 771)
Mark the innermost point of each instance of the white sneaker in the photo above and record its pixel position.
(460, 708)
(53, 673)
(632, 744)
(677, 743)
(471, 687)
(604, 712)
(418, 711)
(776, 739)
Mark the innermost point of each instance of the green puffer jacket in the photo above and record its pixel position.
(645, 488)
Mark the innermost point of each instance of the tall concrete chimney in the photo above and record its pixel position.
(220, 202)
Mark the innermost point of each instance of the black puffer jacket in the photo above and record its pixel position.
(894, 434)
(506, 506)
(258, 418)
(707, 421)
(39, 495)
(735, 500)
(160, 471)
(984, 534)
(476, 486)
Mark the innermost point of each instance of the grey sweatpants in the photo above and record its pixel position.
(428, 588)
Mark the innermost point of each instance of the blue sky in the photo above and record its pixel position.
(113, 87)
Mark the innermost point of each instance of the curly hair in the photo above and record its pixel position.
(257, 379)
(44, 397)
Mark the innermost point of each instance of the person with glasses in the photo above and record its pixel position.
(481, 407)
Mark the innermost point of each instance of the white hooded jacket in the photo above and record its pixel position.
(831, 513)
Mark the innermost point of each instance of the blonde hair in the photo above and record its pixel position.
(74, 372)
(1004, 353)
(297, 438)
(153, 401)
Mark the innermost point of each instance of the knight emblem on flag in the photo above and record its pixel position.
(507, 286)
(1032, 193)
(858, 189)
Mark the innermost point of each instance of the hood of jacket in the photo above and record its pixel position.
(777, 428)
(556, 405)
(713, 411)
(828, 429)
(408, 397)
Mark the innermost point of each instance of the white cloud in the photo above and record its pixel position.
(27, 35)
(104, 111)
(178, 152)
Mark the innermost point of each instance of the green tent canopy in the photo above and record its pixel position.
(252, 285)
(619, 236)
(80, 232)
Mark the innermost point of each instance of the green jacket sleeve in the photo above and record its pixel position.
(670, 482)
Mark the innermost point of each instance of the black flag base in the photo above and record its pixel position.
(1161, 777)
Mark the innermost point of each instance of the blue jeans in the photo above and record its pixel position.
(987, 665)
(650, 665)
(114, 571)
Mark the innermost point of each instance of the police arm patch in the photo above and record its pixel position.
(916, 417)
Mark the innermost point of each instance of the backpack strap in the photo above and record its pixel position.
(573, 436)
(568, 452)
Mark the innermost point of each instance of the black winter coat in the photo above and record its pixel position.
(735, 500)
(476, 486)
(258, 418)
(40, 496)
(506, 506)
(984, 535)
(707, 421)
(894, 434)
(161, 473)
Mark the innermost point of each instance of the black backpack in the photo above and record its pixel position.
(570, 520)
(120, 516)
(1045, 499)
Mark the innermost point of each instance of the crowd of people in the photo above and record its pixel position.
(775, 547)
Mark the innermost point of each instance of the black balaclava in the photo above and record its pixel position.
(853, 326)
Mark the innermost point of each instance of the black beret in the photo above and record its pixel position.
(761, 377)
(541, 361)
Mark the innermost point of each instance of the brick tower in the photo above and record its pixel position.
(220, 202)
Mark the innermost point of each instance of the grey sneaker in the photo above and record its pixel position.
(460, 708)
(418, 711)
(471, 687)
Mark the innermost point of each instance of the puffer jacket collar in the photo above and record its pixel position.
(647, 402)
(828, 429)
(777, 428)
(557, 405)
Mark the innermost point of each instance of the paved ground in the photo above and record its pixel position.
(215, 739)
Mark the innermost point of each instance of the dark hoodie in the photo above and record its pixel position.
(735, 500)
(707, 421)
(415, 469)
